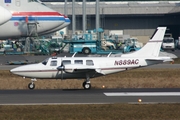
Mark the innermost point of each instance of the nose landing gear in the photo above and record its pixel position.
(31, 85)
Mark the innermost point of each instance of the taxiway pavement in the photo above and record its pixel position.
(93, 96)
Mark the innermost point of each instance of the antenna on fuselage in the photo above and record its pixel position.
(74, 54)
(109, 54)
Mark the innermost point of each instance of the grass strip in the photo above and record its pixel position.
(92, 112)
(138, 78)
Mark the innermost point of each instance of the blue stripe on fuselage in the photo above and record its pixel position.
(67, 20)
(38, 18)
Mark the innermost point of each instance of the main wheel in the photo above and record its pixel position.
(86, 51)
(86, 86)
(31, 86)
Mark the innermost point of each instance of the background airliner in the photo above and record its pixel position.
(29, 18)
(90, 67)
(5, 15)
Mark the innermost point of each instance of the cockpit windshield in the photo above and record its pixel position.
(39, 1)
(32, 0)
(35, 1)
(45, 61)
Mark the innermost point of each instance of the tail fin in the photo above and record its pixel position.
(152, 47)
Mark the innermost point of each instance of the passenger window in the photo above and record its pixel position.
(65, 62)
(53, 63)
(89, 62)
(78, 62)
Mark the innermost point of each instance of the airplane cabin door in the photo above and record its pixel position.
(54, 65)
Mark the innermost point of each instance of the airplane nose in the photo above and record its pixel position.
(13, 70)
(5, 15)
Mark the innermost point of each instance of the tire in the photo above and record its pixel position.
(31, 86)
(83, 84)
(86, 86)
(86, 51)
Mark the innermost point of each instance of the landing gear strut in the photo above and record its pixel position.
(31, 85)
(86, 84)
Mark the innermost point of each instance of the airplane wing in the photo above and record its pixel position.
(79, 68)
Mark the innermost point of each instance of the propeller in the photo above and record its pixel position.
(61, 68)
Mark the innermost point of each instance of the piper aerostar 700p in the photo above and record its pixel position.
(28, 18)
(90, 67)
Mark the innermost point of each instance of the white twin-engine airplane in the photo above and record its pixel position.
(90, 67)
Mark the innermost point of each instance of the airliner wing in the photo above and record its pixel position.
(78, 68)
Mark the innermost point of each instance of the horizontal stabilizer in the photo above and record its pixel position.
(165, 59)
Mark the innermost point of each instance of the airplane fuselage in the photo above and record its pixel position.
(100, 66)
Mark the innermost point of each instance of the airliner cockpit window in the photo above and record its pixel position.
(39, 1)
(33, 0)
(30, 0)
(45, 61)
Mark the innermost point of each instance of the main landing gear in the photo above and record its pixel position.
(86, 84)
(31, 85)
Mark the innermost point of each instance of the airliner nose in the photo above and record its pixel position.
(5, 15)
(67, 20)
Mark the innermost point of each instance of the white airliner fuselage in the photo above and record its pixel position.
(90, 67)
(30, 16)
(5, 15)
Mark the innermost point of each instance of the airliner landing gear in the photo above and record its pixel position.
(31, 85)
(86, 84)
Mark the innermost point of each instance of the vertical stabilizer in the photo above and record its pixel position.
(152, 47)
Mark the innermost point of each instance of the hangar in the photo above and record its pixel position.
(135, 18)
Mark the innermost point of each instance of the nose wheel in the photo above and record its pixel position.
(31, 85)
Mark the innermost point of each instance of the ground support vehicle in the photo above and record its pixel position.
(96, 43)
(88, 47)
(168, 44)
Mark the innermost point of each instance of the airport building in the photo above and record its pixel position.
(134, 18)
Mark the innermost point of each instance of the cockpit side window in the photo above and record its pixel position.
(45, 61)
(53, 63)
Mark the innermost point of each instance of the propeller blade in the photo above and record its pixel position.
(61, 74)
